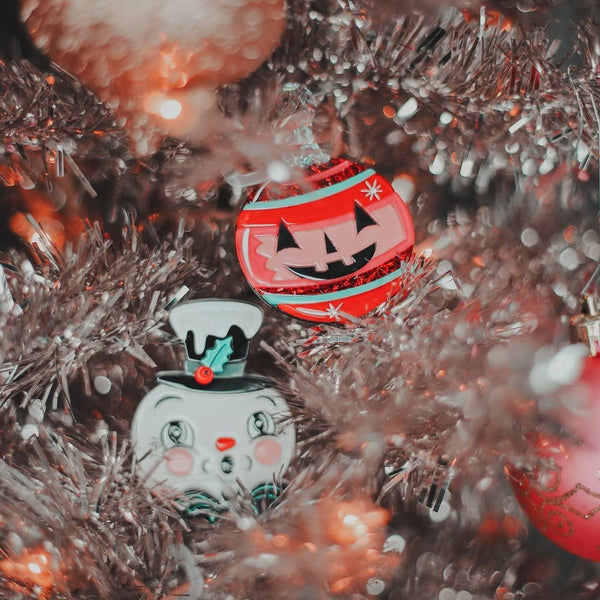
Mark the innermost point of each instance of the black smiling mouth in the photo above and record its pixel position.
(337, 268)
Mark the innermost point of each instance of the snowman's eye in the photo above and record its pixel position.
(177, 433)
(260, 423)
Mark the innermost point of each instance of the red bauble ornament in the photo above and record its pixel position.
(332, 245)
(562, 499)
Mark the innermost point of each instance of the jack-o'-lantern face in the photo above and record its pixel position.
(331, 242)
(312, 254)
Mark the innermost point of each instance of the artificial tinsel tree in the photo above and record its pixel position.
(299, 300)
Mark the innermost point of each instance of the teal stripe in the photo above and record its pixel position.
(336, 188)
(276, 299)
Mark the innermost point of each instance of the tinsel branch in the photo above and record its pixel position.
(487, 86)
(45, 117)
(451, 83)
(91, 299)
(75, 499)
(435, 390)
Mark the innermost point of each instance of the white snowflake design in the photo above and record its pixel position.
(333, 312)
(372, 190)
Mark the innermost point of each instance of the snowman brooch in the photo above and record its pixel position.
(211, 431)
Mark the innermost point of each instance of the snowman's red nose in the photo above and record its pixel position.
(224, 443)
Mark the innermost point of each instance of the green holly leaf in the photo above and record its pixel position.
(218, 356)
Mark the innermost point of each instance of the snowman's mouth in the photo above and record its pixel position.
(227, 465)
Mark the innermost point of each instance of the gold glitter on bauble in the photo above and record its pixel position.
(154, 63)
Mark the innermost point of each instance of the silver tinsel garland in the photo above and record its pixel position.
(81, 302)
(434, 389)
(471, 97)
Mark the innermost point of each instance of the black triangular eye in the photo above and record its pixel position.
(329, 245)
(362, 217)
(285, 239)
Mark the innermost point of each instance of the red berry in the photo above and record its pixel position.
(204, 375)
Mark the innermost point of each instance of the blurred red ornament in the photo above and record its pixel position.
(157, 63)
(562, 498)
(331, 246)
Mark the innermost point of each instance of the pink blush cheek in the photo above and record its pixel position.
(267, 451)
(179, 461)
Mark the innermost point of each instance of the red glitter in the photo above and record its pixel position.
(386, 268)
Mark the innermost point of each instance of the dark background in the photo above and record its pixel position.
(13, 41)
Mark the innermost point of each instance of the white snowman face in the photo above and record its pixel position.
(202, 442)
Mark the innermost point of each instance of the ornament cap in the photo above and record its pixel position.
(587, 324)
